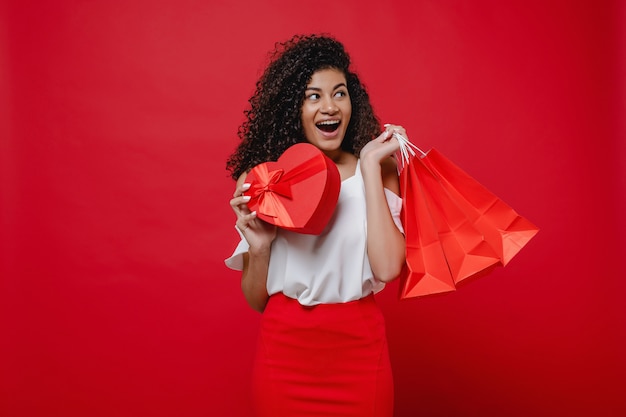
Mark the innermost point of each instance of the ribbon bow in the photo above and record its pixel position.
(266, 189)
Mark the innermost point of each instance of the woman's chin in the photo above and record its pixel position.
(327, 141)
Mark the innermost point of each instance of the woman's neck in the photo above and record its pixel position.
(346, 164)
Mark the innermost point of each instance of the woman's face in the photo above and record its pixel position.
(326, 110)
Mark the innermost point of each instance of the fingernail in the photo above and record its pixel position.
(386, 125)
(246, 198)
(245, 186)
(253, 213)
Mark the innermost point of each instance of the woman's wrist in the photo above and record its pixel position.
(260, 251)
(370, 165)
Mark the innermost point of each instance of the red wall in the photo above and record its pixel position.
(117, 118)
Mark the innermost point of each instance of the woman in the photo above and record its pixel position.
(322, 347)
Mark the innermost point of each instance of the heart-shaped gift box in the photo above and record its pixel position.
(298, 192)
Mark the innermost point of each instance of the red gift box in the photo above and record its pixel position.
(298, 192)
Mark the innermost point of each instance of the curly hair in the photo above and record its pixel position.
(273, 120)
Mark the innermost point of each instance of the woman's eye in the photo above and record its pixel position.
(341, 94)
(313, 96)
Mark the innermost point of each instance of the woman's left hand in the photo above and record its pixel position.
(383, 146)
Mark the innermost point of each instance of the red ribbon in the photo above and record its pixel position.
(272, 186)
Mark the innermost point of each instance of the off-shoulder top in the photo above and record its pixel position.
(332, 267)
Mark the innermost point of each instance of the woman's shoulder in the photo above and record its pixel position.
(389, 169)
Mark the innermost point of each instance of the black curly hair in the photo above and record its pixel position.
(273, 121)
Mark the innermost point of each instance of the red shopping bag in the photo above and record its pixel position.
(467, 252)
(426, 270)
(474, 229)
(503, 227)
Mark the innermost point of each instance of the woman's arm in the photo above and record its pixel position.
(385, 243)
(254, 278)
(260, 236)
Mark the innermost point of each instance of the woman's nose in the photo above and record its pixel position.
(329, 106)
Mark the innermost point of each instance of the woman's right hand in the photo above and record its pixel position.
(257, 232)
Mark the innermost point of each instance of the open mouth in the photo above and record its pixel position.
(328, 126)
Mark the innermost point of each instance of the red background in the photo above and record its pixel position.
(117, 118)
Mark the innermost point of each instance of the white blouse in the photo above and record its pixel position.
(332, 267)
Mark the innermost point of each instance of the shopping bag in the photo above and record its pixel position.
(503, 227)
(474, 229)
(467, 252)
(426, 269)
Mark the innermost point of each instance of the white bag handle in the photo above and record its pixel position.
(406, 151)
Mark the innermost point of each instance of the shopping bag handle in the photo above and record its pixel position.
(406, 151)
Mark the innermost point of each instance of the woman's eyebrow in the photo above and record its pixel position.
(334, 88)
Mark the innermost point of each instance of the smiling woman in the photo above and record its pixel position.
(326, 111)
(322, 346)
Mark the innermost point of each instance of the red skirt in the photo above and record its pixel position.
(326, 360)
